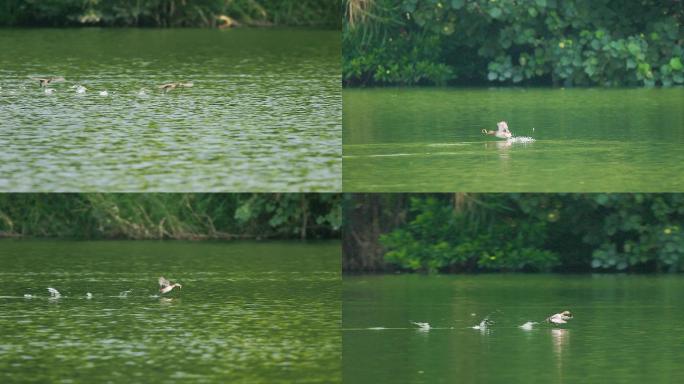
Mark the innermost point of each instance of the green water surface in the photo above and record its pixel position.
(246, 313)
(626, 329)
(264, 113)
(586, 140)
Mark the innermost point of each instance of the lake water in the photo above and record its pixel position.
(264, 113)
(407, 140)
(247, 312)
(626, 329)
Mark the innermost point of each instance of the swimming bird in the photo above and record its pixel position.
(165, 286)
(484, 324)
(89, 295)
(502, 131)
(49, 91)
(560, 318)
(28, 296)
(48, 80)
(422, 326)
(79, 88)
(104, 93)
(171, 86)
(54, 293)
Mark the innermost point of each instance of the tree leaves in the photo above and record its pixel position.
(580, 43)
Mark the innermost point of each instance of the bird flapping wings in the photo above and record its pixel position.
(163, 282)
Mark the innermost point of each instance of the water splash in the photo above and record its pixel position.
(528, 326)
(422, 326)
(521, 139)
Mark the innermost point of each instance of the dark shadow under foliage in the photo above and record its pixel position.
(505, 42)
(514, 232)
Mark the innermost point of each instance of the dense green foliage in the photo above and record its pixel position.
(437, 239)
(524, 232)
(570, 42)
(168, 13)
(173, 216)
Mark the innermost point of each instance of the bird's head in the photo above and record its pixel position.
(503, 128)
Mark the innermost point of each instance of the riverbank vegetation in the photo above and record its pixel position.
(514, 42)
(514, 232)
(171, 216)
(170, 13)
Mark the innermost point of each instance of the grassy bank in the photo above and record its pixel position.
(170, 13)
(170, 216)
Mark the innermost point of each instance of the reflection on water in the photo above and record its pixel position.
(597, 139)
(560, 339)
(264, 113)
(247, 312)
(590, 348)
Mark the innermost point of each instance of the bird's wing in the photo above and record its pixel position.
(163, 282)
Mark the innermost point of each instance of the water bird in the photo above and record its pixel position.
(560, 318)
(484, 324)
(165, 286)
(104, 93)
(171, 86)
(422, 326)
(54, 293)
(79, 88)
(226, 22)
(89, 295)
(49, 91)
(44, 82)
(28, 296)
(502, 131)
